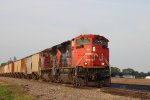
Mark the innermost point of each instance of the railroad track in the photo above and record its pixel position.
(131, 86)
(115, 86)
(133, 91)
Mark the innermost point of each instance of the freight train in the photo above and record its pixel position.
(82, 61)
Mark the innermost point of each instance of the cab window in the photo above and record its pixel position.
(99, 41)
(83, 41)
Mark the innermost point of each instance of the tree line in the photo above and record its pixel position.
(9, 61)
(115, 71)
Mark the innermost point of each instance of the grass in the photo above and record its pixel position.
(8, 92)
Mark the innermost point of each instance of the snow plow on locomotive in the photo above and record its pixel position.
(81, 61)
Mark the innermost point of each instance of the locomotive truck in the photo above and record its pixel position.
(82, 61)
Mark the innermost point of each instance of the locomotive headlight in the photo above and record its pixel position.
(103, 63)
(85, 63)
(93, 49)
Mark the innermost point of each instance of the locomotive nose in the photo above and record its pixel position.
(94, 59)
(95, 56)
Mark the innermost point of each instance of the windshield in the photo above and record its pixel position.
(99, 41)
(83, 41)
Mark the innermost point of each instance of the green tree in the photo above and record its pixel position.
(148, 73)
(9, 61)
(128, 71)
(3, 64)
(115, 71)
(143, 75)
(15, 58)
(136, 74)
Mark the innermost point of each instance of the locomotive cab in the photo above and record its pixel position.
(91, 51)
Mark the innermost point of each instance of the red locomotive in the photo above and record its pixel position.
(83, 60)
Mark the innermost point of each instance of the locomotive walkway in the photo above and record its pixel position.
(50, 91)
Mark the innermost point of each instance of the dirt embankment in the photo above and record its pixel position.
(52, 91)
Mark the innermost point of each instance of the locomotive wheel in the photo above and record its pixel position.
(77, 82)
(18, 75)
(21, 76)
(98, 85)
(37, 77)
(50, 77)
(78, 85)
(29, 76)
(107, 82)
(34, 76)
(59, 80)
(24, 76)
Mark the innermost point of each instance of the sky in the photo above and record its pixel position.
(29, 26)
